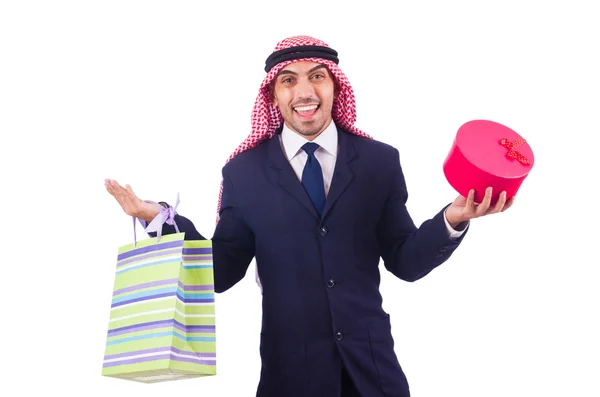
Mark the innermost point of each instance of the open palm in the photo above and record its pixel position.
(131, 204)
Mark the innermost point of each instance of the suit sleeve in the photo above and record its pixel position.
(408, 252)
(233, 240)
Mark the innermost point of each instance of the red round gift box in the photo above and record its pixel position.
(485, 153)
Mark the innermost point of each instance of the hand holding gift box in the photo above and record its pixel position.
(487, 164)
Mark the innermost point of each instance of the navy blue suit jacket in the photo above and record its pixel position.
(321, 302)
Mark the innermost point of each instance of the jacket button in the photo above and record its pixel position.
(330, 283)
(338, 335)
(323, 231)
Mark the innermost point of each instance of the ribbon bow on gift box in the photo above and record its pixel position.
(512, 153)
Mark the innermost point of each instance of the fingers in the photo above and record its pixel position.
(110, 186)
(499, 204)
(125, 196)
(115, 190)
(485, 203)
(130, 194)
(119, 191)
(509, 203)
(473, 210)
(470, 205)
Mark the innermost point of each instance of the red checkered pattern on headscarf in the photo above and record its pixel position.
(266, 117)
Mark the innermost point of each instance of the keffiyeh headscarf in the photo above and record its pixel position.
(266, 117)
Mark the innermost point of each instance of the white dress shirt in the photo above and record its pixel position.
(326, 154)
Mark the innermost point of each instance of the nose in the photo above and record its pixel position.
(304, 89)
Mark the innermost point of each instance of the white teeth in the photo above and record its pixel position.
(305, 108)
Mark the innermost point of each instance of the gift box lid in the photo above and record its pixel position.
(495, 148)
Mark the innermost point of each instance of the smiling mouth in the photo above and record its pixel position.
(306, 110)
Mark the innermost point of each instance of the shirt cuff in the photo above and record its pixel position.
(453, 233)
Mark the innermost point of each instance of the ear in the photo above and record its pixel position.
(272, 97)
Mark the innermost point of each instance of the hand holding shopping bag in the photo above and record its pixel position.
(162, 319)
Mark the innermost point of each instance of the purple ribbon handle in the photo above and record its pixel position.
(166, 215)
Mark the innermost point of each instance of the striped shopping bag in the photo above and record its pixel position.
(162, 317)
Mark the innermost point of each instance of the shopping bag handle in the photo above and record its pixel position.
(166, 215)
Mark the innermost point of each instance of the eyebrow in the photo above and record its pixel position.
(296, 74)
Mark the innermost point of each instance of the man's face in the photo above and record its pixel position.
(304, 93)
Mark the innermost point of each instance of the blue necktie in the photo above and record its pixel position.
(312, 177)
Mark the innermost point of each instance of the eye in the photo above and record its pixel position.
(286, 80)
(318, 76)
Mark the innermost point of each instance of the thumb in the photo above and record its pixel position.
(129, 190)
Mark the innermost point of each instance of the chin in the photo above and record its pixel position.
(308, 132)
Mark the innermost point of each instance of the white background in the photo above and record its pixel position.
(134, 90)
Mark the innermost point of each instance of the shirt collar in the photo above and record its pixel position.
(292, 142)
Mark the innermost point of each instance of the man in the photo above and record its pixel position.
(318, 203)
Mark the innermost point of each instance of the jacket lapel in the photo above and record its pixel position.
(287, 179)
(285, 175)
(342, 174)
